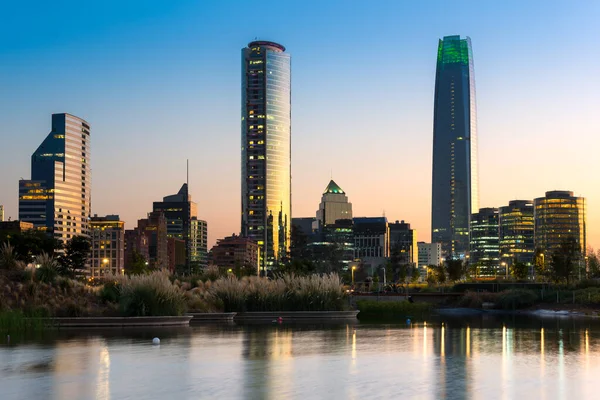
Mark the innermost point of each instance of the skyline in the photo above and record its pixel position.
(392, 98)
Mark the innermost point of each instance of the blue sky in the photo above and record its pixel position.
(159, 81)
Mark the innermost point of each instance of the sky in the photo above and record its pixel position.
(159, 82)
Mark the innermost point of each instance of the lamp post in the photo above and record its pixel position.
(353, 269)
(505, 265)
(105, 262)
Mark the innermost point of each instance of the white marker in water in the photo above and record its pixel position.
(156, 341)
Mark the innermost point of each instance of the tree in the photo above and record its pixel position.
(440, 274)
(28, 244)
(455, 269)
(414, 274)
(9, 259)
(593, 263)
(76, 255)
(564, 259)
(540, 265)
(519, 270)
(139, 265)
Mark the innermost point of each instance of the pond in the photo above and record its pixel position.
(479, 357)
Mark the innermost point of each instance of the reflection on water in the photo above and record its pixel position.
(452, 359)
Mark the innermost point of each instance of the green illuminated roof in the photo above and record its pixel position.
(333, 188)
(454, 50)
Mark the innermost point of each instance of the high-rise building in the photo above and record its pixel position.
(266, 149)
(1, 213)
(430, 254)
(107, 254)
(485, 243)
(334, 205)
(176, 254)
(516, 232)
(403, 243)
(558, 217)
(136, 245)
(183, 224)
(198, 244)
(455, 192)
(371, 242)
(57, 198)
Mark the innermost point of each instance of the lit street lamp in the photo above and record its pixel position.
(353, 269)
(505, 265)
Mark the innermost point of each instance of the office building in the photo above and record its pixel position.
(235, 252)
(485, 242)
(1, 213)
(334, 206)
(371, 242)
(57, 198)
(304, 225)
(455, 193)
(403, 243)
(559, 216)
(516, 232)
(181, 214)
(176, 255)
(430, 254)
(266, 149)
(107, 256)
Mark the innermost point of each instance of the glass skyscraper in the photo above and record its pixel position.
(57, 198)
(266, 149)
(455, 192)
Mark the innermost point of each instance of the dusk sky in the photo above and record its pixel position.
(159, 82)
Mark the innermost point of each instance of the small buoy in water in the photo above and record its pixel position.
(407, 321)
(156, 341)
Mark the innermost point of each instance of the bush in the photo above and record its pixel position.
(516, 298)
(374, 310)
(476, 299)
(110, 292)
(149, 295)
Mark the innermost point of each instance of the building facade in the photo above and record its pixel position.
(136, 245)
(403, 242)
(455, 192)
(371, 242)
(155, 229)
(57, 198)
(266, 149)
(334, 206)
(430, 254)
(181, 214)
(235, 252)
(485, 242)
(1, 213)
(559, 216)
(516, 232)
(107, 254)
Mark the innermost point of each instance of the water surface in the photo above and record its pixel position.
(477, 358)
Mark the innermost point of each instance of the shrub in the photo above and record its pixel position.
(516, 298)
(48, 268)
(149, 295)
(110, 292)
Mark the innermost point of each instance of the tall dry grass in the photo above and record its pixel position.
(285, 293)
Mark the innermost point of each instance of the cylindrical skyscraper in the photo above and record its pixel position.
(266, 149)
(455, 192)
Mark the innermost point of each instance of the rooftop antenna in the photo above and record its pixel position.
(187, 172)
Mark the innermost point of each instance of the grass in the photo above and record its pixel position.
(392, 310)
(17, 321)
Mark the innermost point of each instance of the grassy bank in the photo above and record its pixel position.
(18, 322)
(392, 310)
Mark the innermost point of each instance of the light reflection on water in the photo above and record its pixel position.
(481, 358)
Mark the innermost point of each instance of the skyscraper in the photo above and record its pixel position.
(57, 198)
(1, 213)
(334, 205)
(183, 224)
(266, 149)
(455, 192)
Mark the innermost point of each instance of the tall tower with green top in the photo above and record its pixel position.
(455, 190)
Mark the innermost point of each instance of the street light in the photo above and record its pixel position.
(505, 269)
(353, 269)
